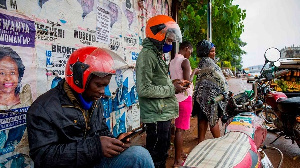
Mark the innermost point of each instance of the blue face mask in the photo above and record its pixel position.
(167, 48)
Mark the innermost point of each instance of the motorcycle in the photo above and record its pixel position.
(240, 146)
(282, 111)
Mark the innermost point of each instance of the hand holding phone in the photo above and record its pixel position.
(134, 132)
(186, 83)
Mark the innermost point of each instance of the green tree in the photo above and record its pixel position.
(227, 27)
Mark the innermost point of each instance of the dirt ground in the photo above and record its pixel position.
(189, 142)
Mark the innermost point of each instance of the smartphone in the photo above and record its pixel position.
(186, 84)
(134, 132)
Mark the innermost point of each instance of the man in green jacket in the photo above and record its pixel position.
(156, 91)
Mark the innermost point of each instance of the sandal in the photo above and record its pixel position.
(184, 155)
(178, 165)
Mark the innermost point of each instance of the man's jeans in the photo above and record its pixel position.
(135, 157)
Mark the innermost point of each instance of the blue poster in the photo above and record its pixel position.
(14, 147)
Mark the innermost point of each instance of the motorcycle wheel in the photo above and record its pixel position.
(270, 118)
(297, 133)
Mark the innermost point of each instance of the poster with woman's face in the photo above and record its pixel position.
(17, 79)
(17, 62)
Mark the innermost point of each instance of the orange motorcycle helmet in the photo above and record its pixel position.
(160, 26)
(86, 61)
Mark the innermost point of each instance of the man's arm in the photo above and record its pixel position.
(45, 149)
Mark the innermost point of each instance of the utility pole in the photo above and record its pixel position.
(209, 32)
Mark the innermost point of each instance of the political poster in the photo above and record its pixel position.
(17, 89)
(16, 31)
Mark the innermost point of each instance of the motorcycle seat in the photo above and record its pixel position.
(290, 105)
(234, 149)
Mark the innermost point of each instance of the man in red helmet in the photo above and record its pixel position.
(66, 127)
(156, 92)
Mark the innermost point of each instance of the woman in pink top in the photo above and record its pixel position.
(180, 68)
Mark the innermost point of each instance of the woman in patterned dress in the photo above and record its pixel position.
(210, 83)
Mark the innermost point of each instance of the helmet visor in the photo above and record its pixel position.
(173, 31)
(103, 62)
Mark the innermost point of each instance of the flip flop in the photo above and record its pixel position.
(184, 155)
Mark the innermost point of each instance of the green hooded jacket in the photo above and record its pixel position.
(154, 87)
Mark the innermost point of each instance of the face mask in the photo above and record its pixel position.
(167, 48)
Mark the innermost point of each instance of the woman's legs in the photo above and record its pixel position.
(178, 146)
(182, 123)
(202, 127)
(215, 131)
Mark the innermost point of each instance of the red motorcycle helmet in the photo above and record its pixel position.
(158, 27)
(89, 60)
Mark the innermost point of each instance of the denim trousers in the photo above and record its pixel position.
(133, 157)
(158, 141)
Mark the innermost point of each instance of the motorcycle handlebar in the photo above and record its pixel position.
(221, 97)
(217, 99)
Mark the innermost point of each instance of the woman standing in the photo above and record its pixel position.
(180, 68)
(210, 83)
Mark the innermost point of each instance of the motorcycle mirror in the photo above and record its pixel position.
(272, 54)
(277, 63)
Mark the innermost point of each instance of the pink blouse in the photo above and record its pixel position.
(176, 72)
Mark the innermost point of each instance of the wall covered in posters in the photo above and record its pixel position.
(36, 39)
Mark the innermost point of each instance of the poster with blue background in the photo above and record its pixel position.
(13, 139)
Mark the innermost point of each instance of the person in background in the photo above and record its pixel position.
(66, 127)
(180, 68)
(210, 83)
(156, 91)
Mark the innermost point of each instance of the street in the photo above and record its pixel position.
(291, 152)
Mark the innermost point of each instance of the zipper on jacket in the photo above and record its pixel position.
(160, 106)
(84, 116)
